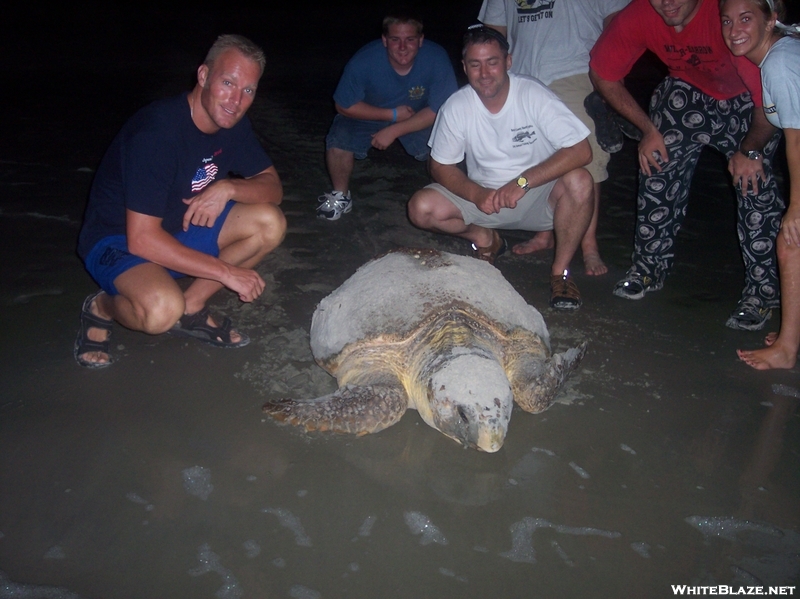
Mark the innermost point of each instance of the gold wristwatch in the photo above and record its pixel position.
(522, 182)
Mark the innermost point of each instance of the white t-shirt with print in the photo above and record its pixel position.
(532, 125)
(550, 39)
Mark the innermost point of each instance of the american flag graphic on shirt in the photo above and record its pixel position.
(204, 176)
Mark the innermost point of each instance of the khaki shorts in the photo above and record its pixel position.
(572, 91)
(533, 212)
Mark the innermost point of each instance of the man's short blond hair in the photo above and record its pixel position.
(237, 42)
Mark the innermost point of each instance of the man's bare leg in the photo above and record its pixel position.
(572, 210)
(781, 351)
(95, 334)
(571, 200)
(592, 263)
(544, 240)
(340, 165)
(250, 232)
(430, 210)
(151, 301)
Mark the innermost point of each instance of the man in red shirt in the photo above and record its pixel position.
(709, 98)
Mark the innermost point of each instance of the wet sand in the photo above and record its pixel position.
(665, 461)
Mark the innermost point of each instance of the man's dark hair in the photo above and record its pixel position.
(481, 34)
(237, 42)
(402, 16)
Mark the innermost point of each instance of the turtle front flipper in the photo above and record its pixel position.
(536, 381)
(351, 409)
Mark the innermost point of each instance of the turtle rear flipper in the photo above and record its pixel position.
(351, 409)
(536, 382)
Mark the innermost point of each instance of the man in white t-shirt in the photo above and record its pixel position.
(524, 154)
(551, 41)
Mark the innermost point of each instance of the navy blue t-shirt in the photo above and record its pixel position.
(158, 159)
(369, 77)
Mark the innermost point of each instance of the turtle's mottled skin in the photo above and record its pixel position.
(444, 334)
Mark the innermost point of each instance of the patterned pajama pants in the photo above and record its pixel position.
(689, 120)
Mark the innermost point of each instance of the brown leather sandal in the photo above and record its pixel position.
(489, 254)
(564, 294)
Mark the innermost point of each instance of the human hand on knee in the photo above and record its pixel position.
(652, 152)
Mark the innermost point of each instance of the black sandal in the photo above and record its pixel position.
(85, 345)
(196, 325)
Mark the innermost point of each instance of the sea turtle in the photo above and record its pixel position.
(444, 334)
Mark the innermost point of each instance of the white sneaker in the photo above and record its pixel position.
(333, 204)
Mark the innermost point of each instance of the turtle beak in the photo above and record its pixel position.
(491, 441)
(471, 400)
(481, 432)
(490, 432)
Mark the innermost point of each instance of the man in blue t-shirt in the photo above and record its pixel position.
(390, 89)
(185, 189)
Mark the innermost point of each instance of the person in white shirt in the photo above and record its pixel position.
(525, 152)
(551, 41)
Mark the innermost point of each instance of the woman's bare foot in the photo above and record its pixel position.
(593, 264)
(774, 356)
(543, 240)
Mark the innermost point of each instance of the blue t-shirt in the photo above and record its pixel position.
(369, 77)
(158, 159)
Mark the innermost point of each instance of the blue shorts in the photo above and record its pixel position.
(355, 136)
(109, 257)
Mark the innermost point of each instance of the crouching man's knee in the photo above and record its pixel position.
(422, 208)
(579, 185)
(261, 226)
(272, 225)
(157, 312)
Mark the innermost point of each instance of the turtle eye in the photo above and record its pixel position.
(462, 414)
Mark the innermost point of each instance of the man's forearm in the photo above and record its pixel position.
(451, 177)
(559, 164)
(265, 187)
(366, 112)
(556, 166)
(421, 120)
(148, 240)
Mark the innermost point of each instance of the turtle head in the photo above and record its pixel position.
(470, 400)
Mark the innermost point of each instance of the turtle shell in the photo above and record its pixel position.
(394, 294)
